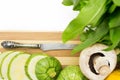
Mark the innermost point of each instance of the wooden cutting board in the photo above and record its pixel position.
(64, 56)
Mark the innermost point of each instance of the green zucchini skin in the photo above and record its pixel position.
(71, 73)
(48, 68)
(18, 72)
(2, 56)
(45, 67)
(5, 63)
(31, 63)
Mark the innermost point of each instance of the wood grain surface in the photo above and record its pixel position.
(64, 56)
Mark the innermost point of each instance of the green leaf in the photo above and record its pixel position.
(118, 57)
(105, 40)
(85, 34)
(115, 19)
(114, 37)
(116, 2)
(83, 3)
(93, 37)
(90, 14)
(67, 2)
(77, 4)
(112, 8)
(83, 37)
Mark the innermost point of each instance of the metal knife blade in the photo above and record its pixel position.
(57, 46)
(42, 46)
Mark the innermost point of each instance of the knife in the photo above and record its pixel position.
(42, 46)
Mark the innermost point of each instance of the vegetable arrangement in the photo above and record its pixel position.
(98, 21)
(16, 65)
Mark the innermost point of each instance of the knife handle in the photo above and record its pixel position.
(12, 44)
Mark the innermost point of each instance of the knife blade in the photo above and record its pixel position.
(42, 46)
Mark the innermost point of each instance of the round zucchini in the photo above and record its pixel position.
(31, 63)
(71, 73)
(47, 68)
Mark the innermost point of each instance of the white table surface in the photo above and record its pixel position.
(34, 15)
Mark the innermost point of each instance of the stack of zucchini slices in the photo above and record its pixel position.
(16, 65)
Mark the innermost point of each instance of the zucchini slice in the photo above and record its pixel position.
(2, 55)
(31, 63)
(16, 70)
(5, 63)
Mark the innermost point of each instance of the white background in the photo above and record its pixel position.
(34, 15)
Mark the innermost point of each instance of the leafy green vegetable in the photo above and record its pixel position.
(83, 3)
(77, 4)
(114, 37)
(112, 8)
(93, 37)
(115, 19)
(89, 15)
(114, 31)
(93, 12)
(105, 40)
(118, 57)
(116, 2)
(71, 73)
(67, 2)
(85, 34)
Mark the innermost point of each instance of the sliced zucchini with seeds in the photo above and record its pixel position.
(5, 63)
(2, 55)
(16, 69)
(31, 63)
